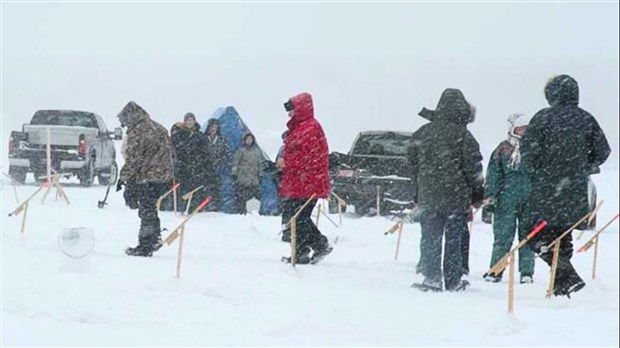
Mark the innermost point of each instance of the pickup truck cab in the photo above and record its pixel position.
(80, 145)
(376, 167)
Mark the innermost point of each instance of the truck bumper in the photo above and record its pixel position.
(19, 162)
(72, 164)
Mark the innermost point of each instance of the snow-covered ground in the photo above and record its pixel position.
(235, 291)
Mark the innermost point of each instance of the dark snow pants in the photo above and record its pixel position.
(464, 252)
(565, 272)
(244, 194)
(434, 226)
(308, 235)
(148, 193)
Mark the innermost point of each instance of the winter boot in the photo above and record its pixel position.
(462, 285)
(428, 285)
(568, 282)
(320, 254)
(144, 248)
(492, 278)
(302, 258)
(526, 278)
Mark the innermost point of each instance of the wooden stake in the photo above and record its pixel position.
(400, 232)
(595, 257)
(174, 197)
(378, 200)
(294, 241)
(339, 212)
(180, 252)
(590, 242)
(24, 217)
(160, 199)
(21, 207)
(329, 219)
(554, 269)
(300, 209)
(592, 216)
(511, 283)
(188, 197)
(176, 232)
(503, 262)
(341, 203)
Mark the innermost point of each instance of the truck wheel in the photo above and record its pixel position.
(88, 176)
(111, 175)
(18, 174)
(361, 209)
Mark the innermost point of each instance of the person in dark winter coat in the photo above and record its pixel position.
(190, 159)
(447, 178)
(562, 146)
(217, 155)
(246, 171)
(305, 173)
(465, 233)
(507, 191)
(148, 166)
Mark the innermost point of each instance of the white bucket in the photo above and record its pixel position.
(75, 247)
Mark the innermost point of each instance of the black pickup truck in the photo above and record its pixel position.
(374, 173)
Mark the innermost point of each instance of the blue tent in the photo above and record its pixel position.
(233, 128)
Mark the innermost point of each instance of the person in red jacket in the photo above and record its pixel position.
(305, 173)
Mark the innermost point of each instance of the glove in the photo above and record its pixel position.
(119, 185)
(487, 214)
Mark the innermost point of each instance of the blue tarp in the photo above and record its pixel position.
(233, 128)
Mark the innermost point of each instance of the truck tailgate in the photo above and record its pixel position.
(59, 135)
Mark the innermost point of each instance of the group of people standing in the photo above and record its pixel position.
(153, 159)
(199, 159)
(540, 172)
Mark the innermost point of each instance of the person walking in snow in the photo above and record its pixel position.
(148, 166)
(305, 173)
(447, 178)
(189, 159)
(246, 171)
(507, 191)
(217, 155)
(562, 146)
(465, 233)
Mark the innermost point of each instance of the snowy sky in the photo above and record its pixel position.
(368, 65)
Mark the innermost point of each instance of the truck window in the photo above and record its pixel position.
(58, 118)
(382, 145)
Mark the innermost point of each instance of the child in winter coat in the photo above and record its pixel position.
(507, 190)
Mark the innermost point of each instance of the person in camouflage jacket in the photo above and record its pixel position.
(148, 166)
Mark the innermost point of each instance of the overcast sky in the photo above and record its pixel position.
(368, 65)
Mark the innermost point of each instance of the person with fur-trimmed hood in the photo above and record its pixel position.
(562, 147)
(217, 155)
(148, 166)
(305, 173)
(447, 178)
(190, 159)
(507, 190)
(247, 172)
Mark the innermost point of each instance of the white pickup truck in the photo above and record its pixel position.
(80, 145)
